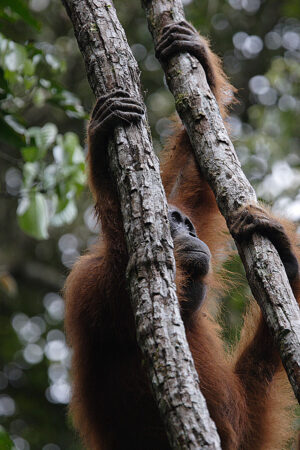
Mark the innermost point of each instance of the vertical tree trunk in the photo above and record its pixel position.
(214, 151)
(160, 332)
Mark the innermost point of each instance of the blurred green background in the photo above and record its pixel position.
(46, 211)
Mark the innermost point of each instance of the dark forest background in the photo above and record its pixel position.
(46, 213)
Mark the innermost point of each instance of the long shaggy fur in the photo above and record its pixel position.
(247, 392)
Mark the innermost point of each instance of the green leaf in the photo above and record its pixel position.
(68, 102)
(33, 215)
(79, 178)
(15, 57)
(14, 124)
(44, 137)
(49, 176)
(70, 141)
(67, 212)
(54, 62)
(31, 154)
(5, 442)
(29, 83)
(58, 154)
(73, 148)
(9, 135)
(49, 133)
(3, 82)
(28, 67)
(30, 171)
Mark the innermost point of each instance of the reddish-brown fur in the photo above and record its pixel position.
(247, 392)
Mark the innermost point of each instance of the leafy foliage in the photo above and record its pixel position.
(53, 169)
(49, 190)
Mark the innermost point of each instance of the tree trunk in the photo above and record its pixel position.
(214, 151)
(135, 169)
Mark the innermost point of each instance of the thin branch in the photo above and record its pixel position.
(160, 332)
(214, 151)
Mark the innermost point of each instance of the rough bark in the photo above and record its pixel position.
(135, 169)
(215, 153)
